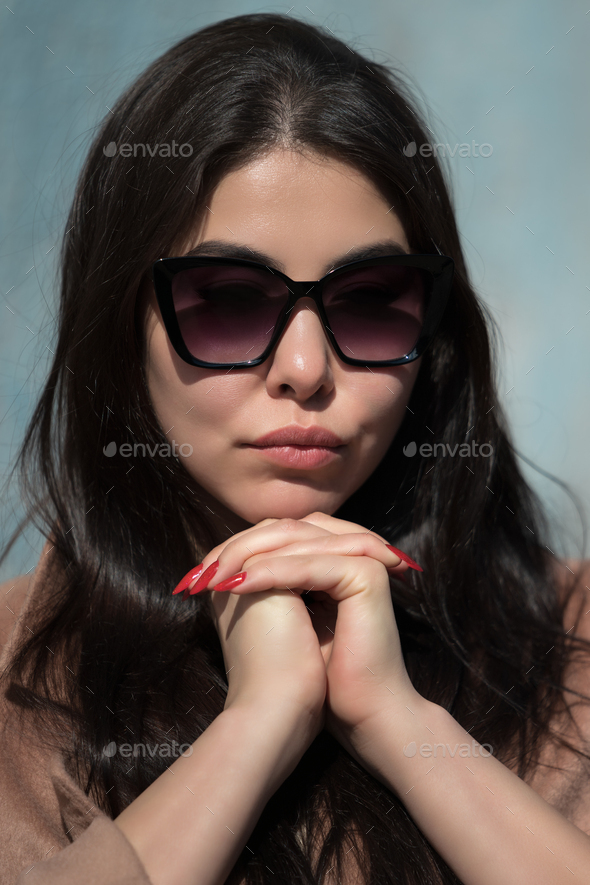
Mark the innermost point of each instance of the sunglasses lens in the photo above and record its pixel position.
(227, 314)
(377, 313)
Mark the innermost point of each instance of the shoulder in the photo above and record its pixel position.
(12, 596)
(573, 582)
(38, 584)
(563, 778)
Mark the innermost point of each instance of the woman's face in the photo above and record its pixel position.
(304, 213)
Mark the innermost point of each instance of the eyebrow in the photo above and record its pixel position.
(224, 249)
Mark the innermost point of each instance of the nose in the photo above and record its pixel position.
(302, 359)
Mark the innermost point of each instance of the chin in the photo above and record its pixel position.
(287, 506)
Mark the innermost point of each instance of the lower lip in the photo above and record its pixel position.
(300, 456)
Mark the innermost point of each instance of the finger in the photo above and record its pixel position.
(273, 536)
(234, 561)
(191, 580)
(215, 552)
(300, 573)
(340, 526)
(337, 526)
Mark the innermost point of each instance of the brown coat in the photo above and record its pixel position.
(50, 832)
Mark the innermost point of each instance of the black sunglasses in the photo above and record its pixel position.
(221, 312)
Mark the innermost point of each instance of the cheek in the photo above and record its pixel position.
(172, 384)
(166, 391)
(385, 395)
(387, 392)
(195, 402)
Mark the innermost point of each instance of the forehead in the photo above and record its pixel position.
(298, 211)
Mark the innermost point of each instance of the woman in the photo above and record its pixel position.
(340, 713)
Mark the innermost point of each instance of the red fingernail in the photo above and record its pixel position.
(188, 579)
(205, 578)
(405, 558)
(232, 582)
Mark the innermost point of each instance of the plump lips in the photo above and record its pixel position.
(299, 447)
(294, 435)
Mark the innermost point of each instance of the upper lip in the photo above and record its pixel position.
(299, 436)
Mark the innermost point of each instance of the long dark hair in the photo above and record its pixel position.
(476, 625)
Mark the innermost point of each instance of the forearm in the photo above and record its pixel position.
(191, 824)
(487, 823)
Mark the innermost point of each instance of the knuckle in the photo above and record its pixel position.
(288, 524)
(374, 572)
(252, 559)
(376, 542)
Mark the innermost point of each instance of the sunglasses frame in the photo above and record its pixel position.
(440, 267)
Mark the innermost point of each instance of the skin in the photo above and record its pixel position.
(303, 211)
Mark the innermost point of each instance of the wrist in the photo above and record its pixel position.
(281, 729)
(403, 719)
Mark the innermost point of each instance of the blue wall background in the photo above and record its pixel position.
(512, 75)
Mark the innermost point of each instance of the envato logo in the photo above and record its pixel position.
(445, 150)
(135, 750)
(466, 450)
(163, 150)
(465, 750)
(164, 450)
